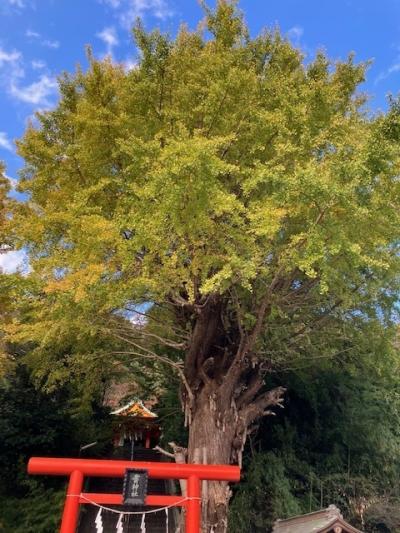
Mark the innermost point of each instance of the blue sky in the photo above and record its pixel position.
(41, 38)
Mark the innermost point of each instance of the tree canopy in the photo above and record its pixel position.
(215, 164)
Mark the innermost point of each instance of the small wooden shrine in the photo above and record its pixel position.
(135, 423)
(328, 520)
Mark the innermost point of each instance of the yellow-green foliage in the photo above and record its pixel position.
(216, 162)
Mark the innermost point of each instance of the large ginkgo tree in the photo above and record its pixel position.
(241, 198)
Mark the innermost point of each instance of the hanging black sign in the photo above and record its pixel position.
(135, 486)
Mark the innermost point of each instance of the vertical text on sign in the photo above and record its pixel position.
(135, 486)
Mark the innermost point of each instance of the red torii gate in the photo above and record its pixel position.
(76, 469)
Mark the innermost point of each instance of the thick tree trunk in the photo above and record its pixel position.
(211, 440)
(222, 395)
(217, 434)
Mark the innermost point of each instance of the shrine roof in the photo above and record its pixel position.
(323, 521)
(134, 408)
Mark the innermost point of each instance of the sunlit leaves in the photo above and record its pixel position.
(217, 163)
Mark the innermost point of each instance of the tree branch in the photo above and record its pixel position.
(179, 332)
(151, 355)
(244, 349)
(164, 452)
(252, 389)
(318, 320)
(259, 407)
(143, 332)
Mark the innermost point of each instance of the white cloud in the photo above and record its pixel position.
(50, 44)
(109, 37)
(128, 10)
(295, 33)
(139, 8)
(129, 64)
(395, 67)
(38, 64)
(9, 57)
(5, 142)
(37, 93)
(113, 3)
(32, 34)
(13, 181)
(137, 320)
(44, 42)
(12, 63)
(14, 261)
(17, 3)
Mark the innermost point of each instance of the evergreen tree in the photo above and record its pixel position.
(336, 442)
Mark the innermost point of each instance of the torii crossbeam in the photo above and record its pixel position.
(77, 469)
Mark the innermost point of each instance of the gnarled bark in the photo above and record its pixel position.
(225, 381)
(217, 435)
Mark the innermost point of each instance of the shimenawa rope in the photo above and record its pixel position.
(179, 502)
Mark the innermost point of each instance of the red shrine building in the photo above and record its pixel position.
(127, 496)
(134, 424)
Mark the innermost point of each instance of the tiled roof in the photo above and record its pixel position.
(323, 521)
(134, 408)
